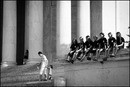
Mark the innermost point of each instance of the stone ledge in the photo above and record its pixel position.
(32, 83)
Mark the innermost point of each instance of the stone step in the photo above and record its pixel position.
(15, 71)
(49, 83)
(29, 73)
(20, 78)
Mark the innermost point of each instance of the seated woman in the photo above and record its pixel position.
(79, 51)
(119, 42)
(73, 48)
(88, 48)
(111, 45)
(102, 45)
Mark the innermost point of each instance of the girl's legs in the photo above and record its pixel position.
(50, 73)
(45, 73)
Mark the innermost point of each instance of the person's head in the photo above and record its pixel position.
(40, 53)
(87, 37)
(26, 51)
(109, 34)
(95, 38)
(118, 34)
(80, 39)
(101, 35)
(74, 41)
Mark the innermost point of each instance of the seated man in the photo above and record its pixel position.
(88, 48)
(119, 42)
(73, 48)
(95, 46)
(102, 45)
(111, 45)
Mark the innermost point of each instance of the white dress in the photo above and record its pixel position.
(44, 65)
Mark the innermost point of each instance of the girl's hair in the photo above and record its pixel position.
(102, 34)
(51, 66)
(109, 33)
(39, 52)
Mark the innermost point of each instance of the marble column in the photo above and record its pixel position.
(83, 19)
(95, 17)
(63, 33)
(34, 13)
(9, 34)
(108, 18)
(122, 19)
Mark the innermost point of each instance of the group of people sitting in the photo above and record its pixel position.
(95, 46)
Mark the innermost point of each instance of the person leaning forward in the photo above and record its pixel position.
(44, 65)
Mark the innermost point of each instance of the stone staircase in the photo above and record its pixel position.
(24, 75)
(28, 75)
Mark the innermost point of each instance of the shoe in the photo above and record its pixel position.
(112, 55)
(72, 61)
(67, 60)
(88, 58)
(50, 78)
(40, 79)
(101, 62)
(105, 59)
(94, 59)
(45, 79)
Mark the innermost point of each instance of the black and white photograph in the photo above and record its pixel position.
(64, 43)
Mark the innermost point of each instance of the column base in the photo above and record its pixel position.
(33, 61)
(8, 63)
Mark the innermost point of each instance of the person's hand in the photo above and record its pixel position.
(107, 48)
(71, 51)
(117, 46)
(94, 48)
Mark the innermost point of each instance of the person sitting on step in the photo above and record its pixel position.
(95, 47)
(119, 42)
(80, 50)
(111, 45)
(88, 48)
(102, 45)
(73, 48)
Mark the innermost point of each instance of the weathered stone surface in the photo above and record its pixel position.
(114, 71)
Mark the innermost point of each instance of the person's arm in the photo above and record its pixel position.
(123, 41)
(108, 44)
(44, 57)
(105, 43)
(91, 44)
